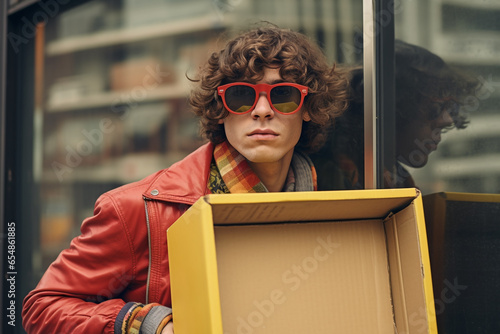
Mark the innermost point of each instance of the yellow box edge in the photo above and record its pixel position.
(215, 199)
(426, 265)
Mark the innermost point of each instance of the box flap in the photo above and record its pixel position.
(307, 206)
(197, 260)
(410, 271)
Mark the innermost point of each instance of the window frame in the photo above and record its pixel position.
(379, 90)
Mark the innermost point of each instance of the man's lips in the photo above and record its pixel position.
(263, 134)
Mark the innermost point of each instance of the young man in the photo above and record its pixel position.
(268, 92)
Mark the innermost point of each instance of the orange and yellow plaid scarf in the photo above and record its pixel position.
(231, 173)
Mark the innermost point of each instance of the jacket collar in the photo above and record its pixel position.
(185, 181)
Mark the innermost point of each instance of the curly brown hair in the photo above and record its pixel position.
(300, 61)
(422, 78)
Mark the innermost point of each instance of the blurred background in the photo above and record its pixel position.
(96, 96)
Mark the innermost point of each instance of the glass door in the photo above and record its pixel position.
(99, 98)
(113, 102)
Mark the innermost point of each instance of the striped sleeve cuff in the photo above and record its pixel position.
(121, 315)
(154, 318)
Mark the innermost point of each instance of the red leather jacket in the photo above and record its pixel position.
(121, 254)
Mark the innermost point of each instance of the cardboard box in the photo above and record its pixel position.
(464, 245)
(305, 262)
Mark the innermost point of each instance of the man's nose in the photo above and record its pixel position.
(445, 119)
(262, 108)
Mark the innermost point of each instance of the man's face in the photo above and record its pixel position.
(418, 139)
(263, 135)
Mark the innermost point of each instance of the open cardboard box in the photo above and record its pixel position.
(464, 245)
(306, 262)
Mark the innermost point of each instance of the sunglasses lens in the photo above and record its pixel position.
(286, 99)
(240, 99)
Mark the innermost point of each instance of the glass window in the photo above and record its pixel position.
(113, 90)
(449, 70)
(110, 90)
(446, 143)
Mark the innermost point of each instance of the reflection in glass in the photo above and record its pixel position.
(461, 179)
(430, 99)
(466, 35)
(340, 162)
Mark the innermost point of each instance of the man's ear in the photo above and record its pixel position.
(305, 116)
(221, 121)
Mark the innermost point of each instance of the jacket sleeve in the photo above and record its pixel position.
(80, 291)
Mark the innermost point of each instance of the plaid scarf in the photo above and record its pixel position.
(231, 173)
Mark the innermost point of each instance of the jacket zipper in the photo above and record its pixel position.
(149, 246)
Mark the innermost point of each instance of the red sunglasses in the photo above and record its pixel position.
(241, 97)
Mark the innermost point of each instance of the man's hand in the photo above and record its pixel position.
(168, 329)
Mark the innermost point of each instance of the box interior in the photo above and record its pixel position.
(328, 265)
